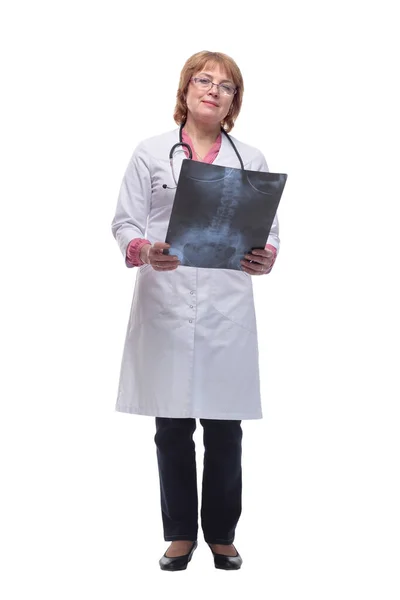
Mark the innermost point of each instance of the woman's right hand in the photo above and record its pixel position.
(153, 255)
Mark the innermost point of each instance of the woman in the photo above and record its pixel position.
(191, 342)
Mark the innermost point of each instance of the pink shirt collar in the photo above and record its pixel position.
(211, 154)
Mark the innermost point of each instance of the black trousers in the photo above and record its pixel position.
(221, 502)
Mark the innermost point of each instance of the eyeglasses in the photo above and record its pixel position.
(204, 83)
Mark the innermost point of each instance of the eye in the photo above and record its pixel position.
(227, 88)
(203, 80)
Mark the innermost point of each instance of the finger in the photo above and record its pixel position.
(252, 259)
(160, 257)
(256, 267)
(252, 269)
(165, 265)
(260, 256)
(164, 269)
(257, 261)
(161, 245)
(267, 253)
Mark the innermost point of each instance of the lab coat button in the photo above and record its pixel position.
(190, 321)
(191, 306)
(192, 292)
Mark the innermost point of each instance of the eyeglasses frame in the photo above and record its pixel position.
(218, 85)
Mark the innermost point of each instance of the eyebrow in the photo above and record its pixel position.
(223, 81)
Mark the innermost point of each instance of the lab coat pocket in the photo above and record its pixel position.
(232, 297)
(154, 294)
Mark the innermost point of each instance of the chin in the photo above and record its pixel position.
(206, 117)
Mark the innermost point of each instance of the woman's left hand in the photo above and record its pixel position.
(259, 262)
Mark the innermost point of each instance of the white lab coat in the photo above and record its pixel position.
(191, 343)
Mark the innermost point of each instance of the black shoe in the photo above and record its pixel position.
(228, 563)
(177, 563)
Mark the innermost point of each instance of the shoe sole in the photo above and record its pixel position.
(227, 569)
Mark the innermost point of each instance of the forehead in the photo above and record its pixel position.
(216, 70)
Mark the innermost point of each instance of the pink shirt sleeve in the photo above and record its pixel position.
(133, 252)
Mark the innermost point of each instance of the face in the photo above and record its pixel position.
(209, 106)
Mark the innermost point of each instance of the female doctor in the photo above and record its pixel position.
(191, 343)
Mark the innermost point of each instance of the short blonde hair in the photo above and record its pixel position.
(196, 63)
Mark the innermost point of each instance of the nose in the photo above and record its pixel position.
(212, 91)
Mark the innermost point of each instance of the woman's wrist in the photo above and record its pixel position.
(144, 253)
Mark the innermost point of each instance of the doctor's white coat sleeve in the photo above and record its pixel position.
(260, 164)
(133, 205)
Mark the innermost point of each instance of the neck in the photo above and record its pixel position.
(202, 132)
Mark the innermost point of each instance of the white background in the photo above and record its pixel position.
(83, 82)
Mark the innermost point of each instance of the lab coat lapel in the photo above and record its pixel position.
(226, 156)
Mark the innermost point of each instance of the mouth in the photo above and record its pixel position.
(212, 103)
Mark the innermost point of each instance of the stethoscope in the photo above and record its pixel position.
(184, 145)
